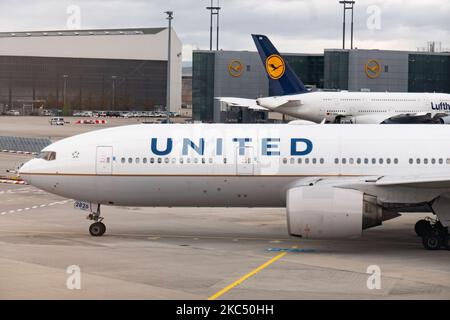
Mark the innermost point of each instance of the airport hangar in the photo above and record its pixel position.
(241, 74)
(109, 69)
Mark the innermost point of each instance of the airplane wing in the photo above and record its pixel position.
(242, 103)
(436, 181)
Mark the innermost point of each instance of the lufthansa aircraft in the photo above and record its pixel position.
(334, 180)
(292, 98)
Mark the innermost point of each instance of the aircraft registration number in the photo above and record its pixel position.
(82, 205)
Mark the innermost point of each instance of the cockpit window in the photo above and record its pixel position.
(47, 155)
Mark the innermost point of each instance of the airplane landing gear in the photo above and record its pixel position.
(97, 229)
(423, 227)
(434, 235)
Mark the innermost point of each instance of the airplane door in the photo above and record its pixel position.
(245, 161)
(103, 163)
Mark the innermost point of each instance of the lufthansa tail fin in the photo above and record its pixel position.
(283, 80)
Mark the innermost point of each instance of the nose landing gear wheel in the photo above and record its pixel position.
(97, 229)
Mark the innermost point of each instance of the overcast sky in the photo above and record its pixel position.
(293, 25)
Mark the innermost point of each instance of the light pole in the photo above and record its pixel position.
(65, 89)
(169, 56)
(348, 5)
(215, 10)
(114, 92)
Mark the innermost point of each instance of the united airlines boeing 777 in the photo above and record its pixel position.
(292, 98)
(334, 180)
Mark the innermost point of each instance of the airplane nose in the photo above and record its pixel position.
(26, 169)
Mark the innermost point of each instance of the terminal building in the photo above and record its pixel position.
(113, 69)
(241, 74)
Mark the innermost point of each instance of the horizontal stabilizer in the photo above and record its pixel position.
(242, 103)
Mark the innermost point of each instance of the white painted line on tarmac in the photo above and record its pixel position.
(35, 207)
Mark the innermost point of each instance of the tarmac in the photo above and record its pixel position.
(46, 251)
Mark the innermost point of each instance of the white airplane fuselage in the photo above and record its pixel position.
(358, 107)
(233, 165)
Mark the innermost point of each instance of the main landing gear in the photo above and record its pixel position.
(434, 235)
(97, 229)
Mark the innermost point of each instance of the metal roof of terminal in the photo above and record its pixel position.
(89, 32)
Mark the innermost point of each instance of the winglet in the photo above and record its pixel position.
(283, 80)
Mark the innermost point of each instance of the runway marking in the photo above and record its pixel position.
(22, 191)
(248, 275)
(35, 207)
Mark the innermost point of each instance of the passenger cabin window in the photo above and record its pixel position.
(47, 155)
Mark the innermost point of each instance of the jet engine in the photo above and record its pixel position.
(444, 120)
(329, 212)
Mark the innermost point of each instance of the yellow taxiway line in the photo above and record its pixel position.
(248, 275)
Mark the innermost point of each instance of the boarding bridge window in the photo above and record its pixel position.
(47, 155)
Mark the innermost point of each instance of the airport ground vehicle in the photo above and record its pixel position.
(57, 121)
(12, 113)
